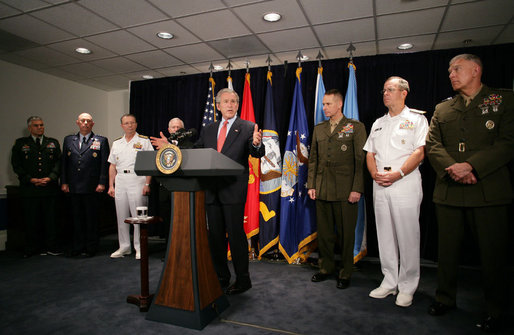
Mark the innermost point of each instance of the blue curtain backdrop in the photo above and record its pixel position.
(156, 101)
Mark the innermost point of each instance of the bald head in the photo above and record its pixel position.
(85, 123)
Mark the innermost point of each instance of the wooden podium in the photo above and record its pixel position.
(189, 293)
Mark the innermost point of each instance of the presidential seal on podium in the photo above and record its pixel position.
(168, 159)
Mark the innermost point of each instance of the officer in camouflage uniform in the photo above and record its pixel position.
(36, 161)
(469, 144)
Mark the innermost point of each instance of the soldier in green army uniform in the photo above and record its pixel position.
(469, 144)
(335, 181)
(36, 161)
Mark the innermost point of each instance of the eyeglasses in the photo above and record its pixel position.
(389, 90)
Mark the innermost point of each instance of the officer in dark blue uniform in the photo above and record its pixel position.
(36, 161)
(85, 174)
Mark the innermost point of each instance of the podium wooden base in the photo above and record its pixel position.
(189, 293)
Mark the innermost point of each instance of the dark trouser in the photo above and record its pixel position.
(489, 226)
(336, 223)
(84, 209)
(40, 223)
(228, 220)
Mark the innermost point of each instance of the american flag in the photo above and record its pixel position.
(209, 115)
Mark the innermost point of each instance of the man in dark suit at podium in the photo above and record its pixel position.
(225, 199)
(85, 174)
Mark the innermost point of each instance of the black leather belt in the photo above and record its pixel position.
(127, 171)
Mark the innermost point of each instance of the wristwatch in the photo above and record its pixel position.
(401, 173)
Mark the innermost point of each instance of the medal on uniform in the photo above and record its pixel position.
(138, 145)
(489, 124)
(69, 153)
(344, 147)
(95, 145)
(95, 154)
(494, 100)
(407, 125)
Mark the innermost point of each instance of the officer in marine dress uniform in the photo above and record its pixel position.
(128, 189)
(335, 181)
(36, 161)
(470, 144)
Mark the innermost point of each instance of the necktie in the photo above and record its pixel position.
(222, 136)
(333, 125)
(84, 142)
(38, 141)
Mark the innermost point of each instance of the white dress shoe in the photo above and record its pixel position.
(404, 299)
(120, 253)
(138, 255)
(381, 293)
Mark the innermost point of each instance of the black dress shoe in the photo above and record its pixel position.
(320, 277)
(438, 308)
(489, 325)
(237, 288)
(343, 283)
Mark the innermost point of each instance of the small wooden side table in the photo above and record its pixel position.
(145, 298)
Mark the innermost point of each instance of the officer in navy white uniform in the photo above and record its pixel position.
(128, 189)
(395, 149)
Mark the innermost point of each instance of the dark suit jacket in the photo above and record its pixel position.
(85, 168)
(238, 146)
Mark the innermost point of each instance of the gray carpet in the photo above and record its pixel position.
(59, 295)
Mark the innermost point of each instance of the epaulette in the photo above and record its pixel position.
(119, 138)
(142, 136)
(417, 111)
(447, 99)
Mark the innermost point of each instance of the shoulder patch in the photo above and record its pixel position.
(417, 111)
(142, 136)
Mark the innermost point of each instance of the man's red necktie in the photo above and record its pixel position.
(222, 136)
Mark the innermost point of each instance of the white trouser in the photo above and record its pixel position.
(397, 220)
(128, 195)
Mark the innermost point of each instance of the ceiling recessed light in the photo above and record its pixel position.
(147, 76)
(405, 46)
(83, 51)
(218, 67)
(272, 17)
(164, 35)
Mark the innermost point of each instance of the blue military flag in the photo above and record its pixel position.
(319, 115)
(209, 114)
(297, 221)
(351, 110)
(271, 173)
